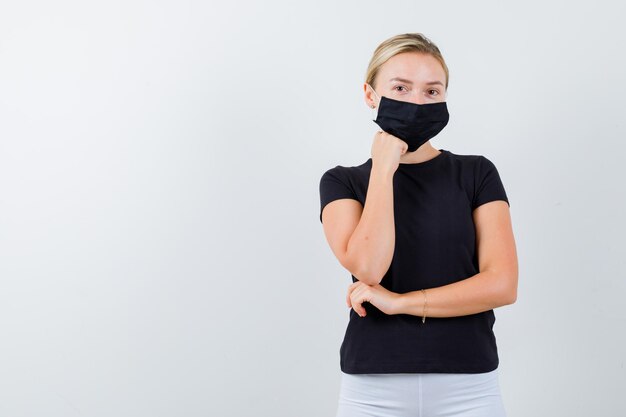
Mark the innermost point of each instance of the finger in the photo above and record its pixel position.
(364, 300)
(351, 288)
(358, 297)
(358, 309)
(362, 311)
(355, 305)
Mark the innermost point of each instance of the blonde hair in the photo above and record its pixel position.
(406, 42)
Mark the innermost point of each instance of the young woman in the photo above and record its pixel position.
(427, 237)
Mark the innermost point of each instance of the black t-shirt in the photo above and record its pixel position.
(435, 245)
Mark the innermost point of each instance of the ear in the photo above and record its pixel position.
(370, 97)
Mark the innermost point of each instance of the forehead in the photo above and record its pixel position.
(414, 66)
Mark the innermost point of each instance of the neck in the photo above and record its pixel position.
(422, 154)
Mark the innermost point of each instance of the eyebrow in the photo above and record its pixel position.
(404, 80)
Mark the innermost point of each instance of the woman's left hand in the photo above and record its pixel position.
(377, 295)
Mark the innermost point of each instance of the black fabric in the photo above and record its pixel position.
(435, 245)
(414, 123)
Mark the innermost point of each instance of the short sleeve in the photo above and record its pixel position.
(488, 185)
(334, 185)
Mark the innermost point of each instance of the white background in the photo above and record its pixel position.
(160, 246)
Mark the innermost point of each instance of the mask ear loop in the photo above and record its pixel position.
(374, 113)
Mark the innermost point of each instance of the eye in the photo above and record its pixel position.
(436, 92)
(399, 86)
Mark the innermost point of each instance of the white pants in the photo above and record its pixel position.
(420, 395)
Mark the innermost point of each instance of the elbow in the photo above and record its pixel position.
(368, 277)
(511, 297)
(509, 293)
(364, 272)
(504, 288)
(370, 280)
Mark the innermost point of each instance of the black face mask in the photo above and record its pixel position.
(413, 123)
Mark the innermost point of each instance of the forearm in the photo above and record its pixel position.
(481, 292)
(373, 241)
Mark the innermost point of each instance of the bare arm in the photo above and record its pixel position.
(363, 238)
(373, 242)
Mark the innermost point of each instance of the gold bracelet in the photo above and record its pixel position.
(425, 308)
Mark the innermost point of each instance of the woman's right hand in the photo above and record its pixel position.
(386, 151)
